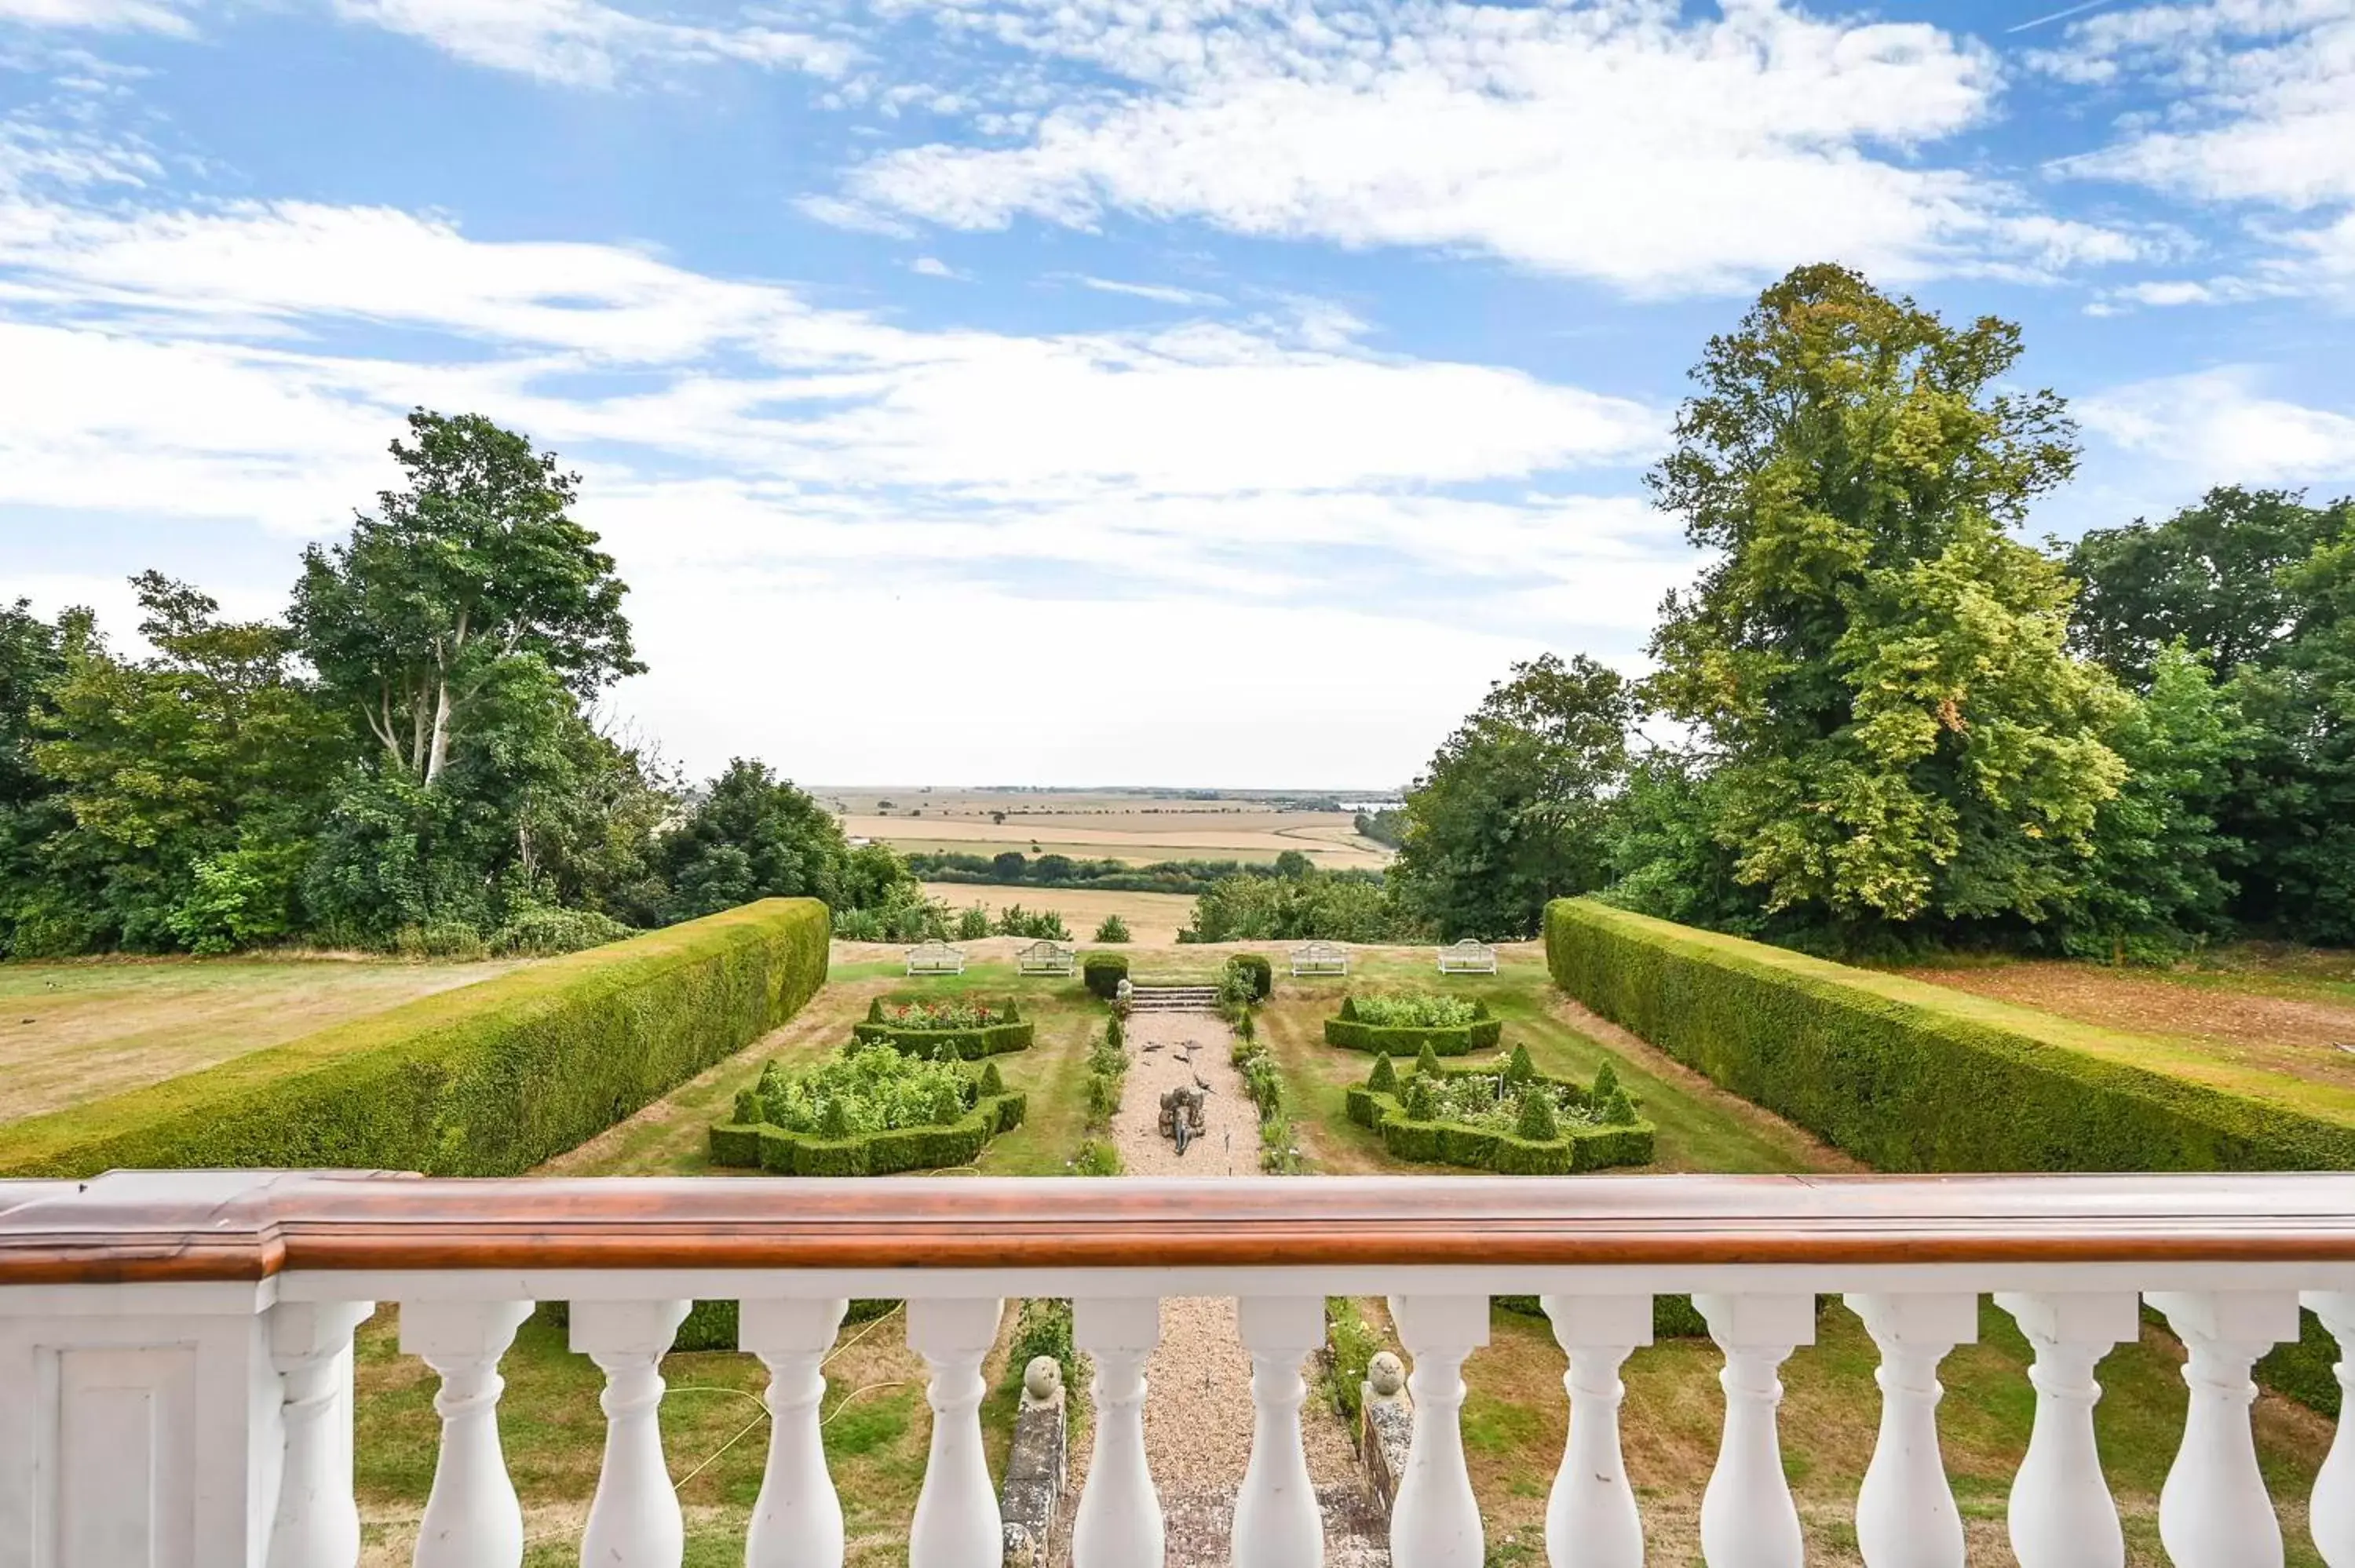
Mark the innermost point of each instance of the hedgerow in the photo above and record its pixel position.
(486, 1080)
(1404, 1025)
(1911, 1076)
(923, 1027)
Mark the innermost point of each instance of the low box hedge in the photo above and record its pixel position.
(1912, 1077)
(1103, 972)
(1478, 1148)
(1016, 1033)
(938, 1147)
(1406, 1041)
(489, 1079)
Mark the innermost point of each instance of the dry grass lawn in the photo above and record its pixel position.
(77, 1031)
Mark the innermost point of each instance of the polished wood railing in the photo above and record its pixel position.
(202, 1322)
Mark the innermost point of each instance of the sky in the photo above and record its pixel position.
(1202, 392)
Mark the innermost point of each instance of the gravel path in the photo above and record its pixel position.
(1197, 1415)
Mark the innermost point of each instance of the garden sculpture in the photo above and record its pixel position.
(1181, 1116)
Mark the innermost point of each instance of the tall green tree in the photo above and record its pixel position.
(1509, 813)
(414, 622)
(753, 835)
(1896, 730)
(32, 901)
(2210, 577)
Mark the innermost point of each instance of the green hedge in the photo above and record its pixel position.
(486, 1080)
(1478, 1148)
(942, 1148)
(970, 1044)
(1262, 972)
(1911, 1076)
(1103, 972)
(1407, 1040)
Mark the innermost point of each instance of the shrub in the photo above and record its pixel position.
(1451, 1025)
(542, 932)
(1043, 1327)
(1385, 1076)
(485, 1080)
(1097, 1157)
(1606, 1078)
(972, 924)
(1521, 1070)
(1910, 1077)
(1261, 973)
(1478, 1119)
(1426, 1062)
(444, 939)
(1112, 928)
(1537, 1123)
(1015, 921)
(1103, 972)
(1350, 1346)
(925, 1027)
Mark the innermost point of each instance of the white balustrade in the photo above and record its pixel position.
(1278, 1522)
(1435, 1522)
(797, 1519)
(472, 1517)
(2213, 1511)
(958, 1524)
(2062, 1514)
(1748, 1518)
(634, 1519)
(199, 1415)
(2331, 1517)
(1591, 1521)
(1119, 1522)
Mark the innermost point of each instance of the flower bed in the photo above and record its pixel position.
(1510, 1120)
(923, 1026)
(867, 1112)
(1402, 1026)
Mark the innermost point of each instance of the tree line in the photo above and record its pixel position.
(409, 757)
(1879, 721)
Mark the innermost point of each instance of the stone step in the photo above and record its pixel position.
(1173, 998)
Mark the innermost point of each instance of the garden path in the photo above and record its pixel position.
(1198, 1420)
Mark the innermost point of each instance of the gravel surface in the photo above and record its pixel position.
(1198, 1414)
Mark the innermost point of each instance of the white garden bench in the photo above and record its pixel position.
(935, 959)
(1047, 957)
(1320, 958)
(1468, 958)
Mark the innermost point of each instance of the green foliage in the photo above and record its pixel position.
(1107, 1071)
(1350, 1346)
(486, 1080)
(1314, 904)
(1417, 1010)
(1103, 972)
(993, 1081)
(1015, 921)
(1909, 1076)
(1537, 1121)
(862, 1090)
(1448, 1026)
(543, 932)
(1097, 1157)
(1043, 1327)
(1112, 928)
(1258, 970)
(1521, 1070)
(1479, 1120)
(837, 1149)
(1509, 813)
(1384, 1079)
(959, 1026)
(1426, 1062)
(753, 835)
(972, 924)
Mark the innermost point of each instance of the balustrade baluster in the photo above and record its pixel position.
(1119, 1523)
(2062, 1513)
(2213, 1511)
(958, 1524)
(1278, 1522)
(634, 1519)
(1591, 1521)
(1905, 1513)
(2331, 1518)
(1436, 1521)
(471, 1519)
(1748, 1518)
(318, 1520)
(797, 1519)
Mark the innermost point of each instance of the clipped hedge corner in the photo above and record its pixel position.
(486, 1080)
(1103, 972)
(938, 1148)
(1576, 1147)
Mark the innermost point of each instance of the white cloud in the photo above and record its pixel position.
(584, 43)
(934, 266)
(2218, 426)
(149, 15)
(1161, 293)
(1613, 141)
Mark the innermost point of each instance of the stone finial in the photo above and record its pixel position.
(1042, 1380)
(1386, 1375)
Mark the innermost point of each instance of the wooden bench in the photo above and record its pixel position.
(1468, 958)
(1047, 957)
(1320, 958)
(935, 959)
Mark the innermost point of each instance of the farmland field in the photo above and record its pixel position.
(1153, 917)
(77, 1031)
(1137, 827)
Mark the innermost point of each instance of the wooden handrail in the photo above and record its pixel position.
(149, 1226)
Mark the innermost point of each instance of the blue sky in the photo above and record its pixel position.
(1183, 391)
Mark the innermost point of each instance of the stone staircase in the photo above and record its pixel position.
(1173, 999)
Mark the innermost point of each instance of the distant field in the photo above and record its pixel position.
(1137, 829)
(76, 1032)
(1153, 917)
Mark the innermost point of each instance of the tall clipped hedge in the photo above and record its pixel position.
(1911, 1076)
(486, 1080)
(1103, 972)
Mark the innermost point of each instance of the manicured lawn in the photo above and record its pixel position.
(81, 1031)
(876, 1423)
